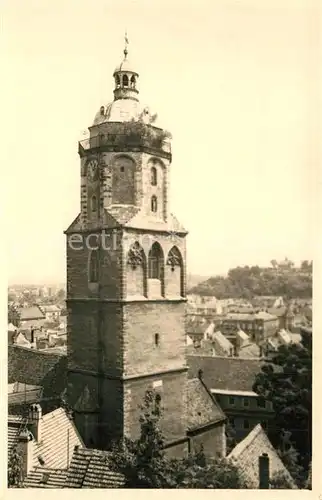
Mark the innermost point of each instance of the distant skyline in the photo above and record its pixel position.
(234, 82)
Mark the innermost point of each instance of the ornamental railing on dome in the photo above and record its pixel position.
(129, 140)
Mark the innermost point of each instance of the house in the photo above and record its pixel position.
(39, 368)
(196, 327)
(221, 345)
(231, 380)
(51, 312)
(246, 457)
(18, 338)
(43, 440)
(30, 314)
(20, 395)
(250, 350)
(266, 301)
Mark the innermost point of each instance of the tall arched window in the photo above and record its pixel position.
(154, 204)
(175, 273)
(154, 178)
(94, 267)
(125, 81)
(155, 263)
(118, 83)
(94, 203)
(133, 82)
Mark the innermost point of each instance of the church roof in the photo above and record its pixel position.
(202, 408)
(225, 373)
(132, 217)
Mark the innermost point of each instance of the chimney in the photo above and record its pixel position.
(35, 419)
(263, 463)
(25, 450)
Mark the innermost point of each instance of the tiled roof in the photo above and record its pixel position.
(223, 342)
(277, 311)
(59, 437)
(264, 315)
(36, 324)
(238, 316)
(89, 469)
(43, 477)
(33, 312)
(50, 308)
(247, 452)
(242, 335)
(202, 408)
(58, 432)
(225, 373)
(250, 350)
(38, 368)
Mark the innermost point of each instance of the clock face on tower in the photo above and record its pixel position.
(92, 170)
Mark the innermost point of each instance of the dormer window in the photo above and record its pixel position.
(154, 204)
(154, 178)
(125, 81)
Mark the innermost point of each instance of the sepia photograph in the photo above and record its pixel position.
(162, 170)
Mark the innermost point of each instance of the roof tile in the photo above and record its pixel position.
(225, 373)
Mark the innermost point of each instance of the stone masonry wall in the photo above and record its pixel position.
(212, 440)
(173, 402)
(144, 320)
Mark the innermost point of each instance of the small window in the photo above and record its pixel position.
(118, 83)
(246, 402)
(122, 169)
(102, 110)
(93, 267)
(94, 203)
(154, 204)
(133, 82)
(231, 400)
(156, 339)
(246, 424)
(125, 81)
(154, 176)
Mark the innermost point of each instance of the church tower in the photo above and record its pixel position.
(126, 275)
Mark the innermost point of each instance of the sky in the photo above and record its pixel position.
(234, 81)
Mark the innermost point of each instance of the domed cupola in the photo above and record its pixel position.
(125, 78)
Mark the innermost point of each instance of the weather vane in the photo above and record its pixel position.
(126, 43)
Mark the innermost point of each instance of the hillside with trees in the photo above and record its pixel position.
(280, 279)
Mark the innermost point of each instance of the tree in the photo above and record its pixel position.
(14, 469)
(287, 382)
(144, 464)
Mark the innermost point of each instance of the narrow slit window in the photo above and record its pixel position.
(154, 204)
(94, 203)
(154, 178)
(156, 339)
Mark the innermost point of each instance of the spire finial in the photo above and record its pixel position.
(126, 40)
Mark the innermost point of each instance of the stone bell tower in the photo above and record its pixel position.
(126, 275)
